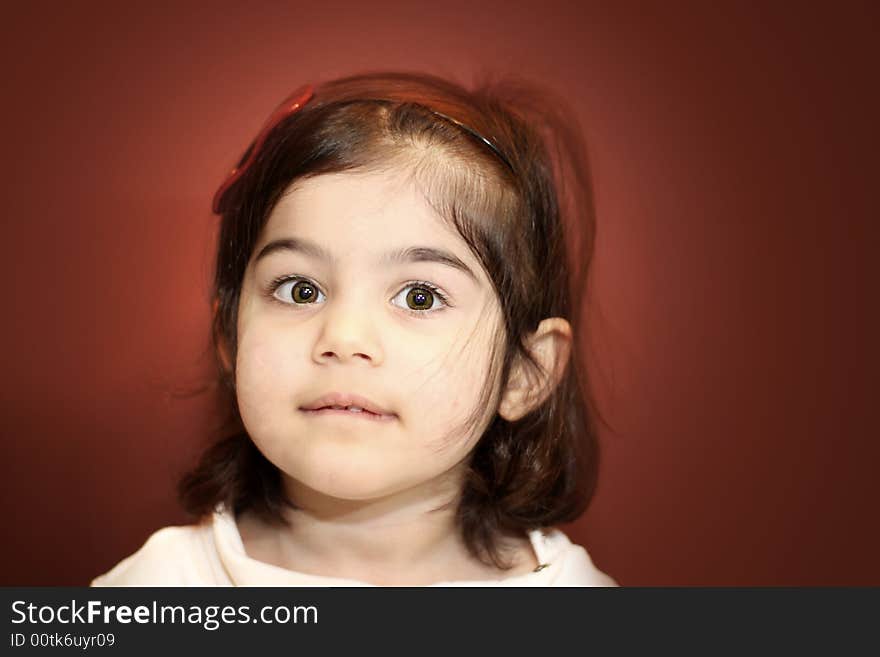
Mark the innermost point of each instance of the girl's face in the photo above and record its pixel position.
(357, 287)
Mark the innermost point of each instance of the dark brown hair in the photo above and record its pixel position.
(531, 225)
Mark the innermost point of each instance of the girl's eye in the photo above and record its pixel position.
(419, 297)
(299, 290)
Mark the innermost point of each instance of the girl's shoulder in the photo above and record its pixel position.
(171, 556)
(566, 563)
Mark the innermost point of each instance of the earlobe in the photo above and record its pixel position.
(550, 345)
(222, 347)
(225, 358)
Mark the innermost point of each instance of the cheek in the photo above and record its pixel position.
(446, 387)
(453, 384)
(266, 374)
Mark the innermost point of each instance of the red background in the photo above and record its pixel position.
(733, 150)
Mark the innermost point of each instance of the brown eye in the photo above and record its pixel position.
(303, 292)
(296, 291)
(420, 298)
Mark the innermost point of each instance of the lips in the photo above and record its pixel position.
(348, 403)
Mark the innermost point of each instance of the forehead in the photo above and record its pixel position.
(362, 215)
(356, 203)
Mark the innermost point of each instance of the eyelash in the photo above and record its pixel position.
(433, 289)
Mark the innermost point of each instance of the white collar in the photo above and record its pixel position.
(245, 571)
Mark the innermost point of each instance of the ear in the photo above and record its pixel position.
(550, 345)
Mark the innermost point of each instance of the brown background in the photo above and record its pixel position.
(736, 172)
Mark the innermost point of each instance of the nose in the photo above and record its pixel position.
(348, 333)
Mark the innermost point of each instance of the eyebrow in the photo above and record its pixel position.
(406, 254)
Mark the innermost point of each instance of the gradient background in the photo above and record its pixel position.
(735, 160)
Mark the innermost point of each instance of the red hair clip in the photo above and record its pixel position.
(288, 107)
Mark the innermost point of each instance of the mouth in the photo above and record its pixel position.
(350, 412)
(348, 404)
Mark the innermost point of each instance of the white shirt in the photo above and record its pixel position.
(212, 553)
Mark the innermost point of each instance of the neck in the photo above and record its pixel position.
(406, 538)
(398, 528)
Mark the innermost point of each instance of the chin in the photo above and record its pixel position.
(346, 486)
(346, 474)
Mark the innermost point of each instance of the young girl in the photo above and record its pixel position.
(395, 305)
